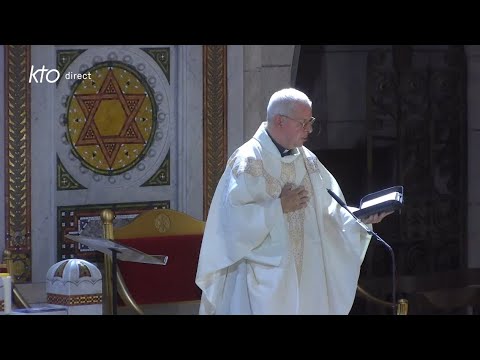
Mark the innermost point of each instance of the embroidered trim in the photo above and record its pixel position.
(255, 168)
(250, 166)
(312, 165)
(295, 220)
(287, 174)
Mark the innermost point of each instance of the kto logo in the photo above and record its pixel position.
(53, 75)
(51, 78)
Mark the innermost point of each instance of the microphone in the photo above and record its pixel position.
(376, 236)
(340, 201)
(342, 204)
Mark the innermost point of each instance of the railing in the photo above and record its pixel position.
(401, 306)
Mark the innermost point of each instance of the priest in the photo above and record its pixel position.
(275, 241)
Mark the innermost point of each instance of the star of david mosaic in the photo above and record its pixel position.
(111, 119)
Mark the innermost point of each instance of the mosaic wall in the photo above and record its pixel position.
(115, 136)
(114, 120)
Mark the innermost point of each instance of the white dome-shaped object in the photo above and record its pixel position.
(74, 283)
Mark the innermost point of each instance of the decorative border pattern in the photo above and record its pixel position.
(162, 175)
(162, 58)
(17, 160)
(65, 58)
(74, 300)
(65, 181)
(215, 119)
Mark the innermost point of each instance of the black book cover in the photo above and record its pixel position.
(386, 200)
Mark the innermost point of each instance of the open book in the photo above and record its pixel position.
(386, 200)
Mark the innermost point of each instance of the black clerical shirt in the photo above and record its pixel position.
(283, 151)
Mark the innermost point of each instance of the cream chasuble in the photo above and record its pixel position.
(255, 259)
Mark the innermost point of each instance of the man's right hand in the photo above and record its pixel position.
(293, 199)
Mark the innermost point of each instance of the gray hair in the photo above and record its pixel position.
(283, 102)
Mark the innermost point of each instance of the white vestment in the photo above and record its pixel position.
(255, 259)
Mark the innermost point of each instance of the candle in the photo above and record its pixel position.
(7, 292)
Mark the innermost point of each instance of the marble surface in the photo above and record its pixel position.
(235, 101)
(267, 69)
(43, 170)
(189, 127)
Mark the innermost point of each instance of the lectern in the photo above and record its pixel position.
(121, 252)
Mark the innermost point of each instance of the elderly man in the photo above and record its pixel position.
(275, 241)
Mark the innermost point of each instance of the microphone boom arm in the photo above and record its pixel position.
(377, 237)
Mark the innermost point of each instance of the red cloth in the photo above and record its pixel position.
(155, 284)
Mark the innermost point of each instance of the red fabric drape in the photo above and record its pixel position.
(154, 284)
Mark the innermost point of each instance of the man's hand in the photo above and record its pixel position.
(376, 218)
(293, 199)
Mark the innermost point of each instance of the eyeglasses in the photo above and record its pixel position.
(304, 123)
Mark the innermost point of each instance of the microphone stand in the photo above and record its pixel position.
(378, 238)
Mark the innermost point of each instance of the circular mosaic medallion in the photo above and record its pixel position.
(111, 118)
